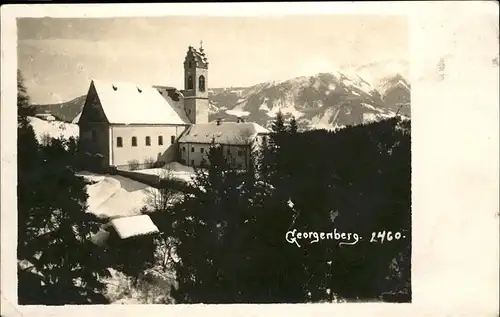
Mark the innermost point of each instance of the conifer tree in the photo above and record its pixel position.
(232, 236)
(58, 264)
(24, 108)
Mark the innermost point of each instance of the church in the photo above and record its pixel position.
(129, 126)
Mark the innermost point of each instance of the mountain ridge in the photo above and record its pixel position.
(324, 100)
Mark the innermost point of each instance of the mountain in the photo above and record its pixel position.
(325, 100)
(65, 111)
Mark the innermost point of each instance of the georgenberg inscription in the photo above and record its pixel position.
(345, 238)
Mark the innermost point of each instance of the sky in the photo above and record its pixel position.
(59, 56)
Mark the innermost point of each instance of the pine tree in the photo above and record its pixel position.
(231, 235)
(24, 108)
(57, 262)
(230, 229)
(293, 126)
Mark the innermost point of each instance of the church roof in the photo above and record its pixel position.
(237, 133)
(199, 56)
(174, 98)
(128, 103)
(201, 59)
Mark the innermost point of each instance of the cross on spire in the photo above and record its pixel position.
(201, 44)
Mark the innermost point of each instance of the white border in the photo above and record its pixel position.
(454, 166)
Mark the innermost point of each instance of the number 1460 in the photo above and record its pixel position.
(381, 236)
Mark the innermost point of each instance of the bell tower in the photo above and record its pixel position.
(196, 85)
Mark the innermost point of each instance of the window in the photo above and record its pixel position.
(190, 82)
(183, 149)
(148, 141)
(172, 139)
(228, 152)
(201, 83)
(192, 162)
(119, 141)
(192, 149)
(190, 64)
(160, 140)
(202, 150)
(134, 141)
(240, 153)
(94, 135)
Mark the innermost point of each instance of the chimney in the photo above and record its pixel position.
(218, 121)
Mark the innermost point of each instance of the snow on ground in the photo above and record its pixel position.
(121, 290)
(116, 196)
(54, 129)
(174, 170)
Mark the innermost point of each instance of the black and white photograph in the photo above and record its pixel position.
(197, 159)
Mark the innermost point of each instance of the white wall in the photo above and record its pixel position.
(192, 155)
(193, 158)
(121, 156)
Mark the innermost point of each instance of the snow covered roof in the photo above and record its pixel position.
(127, 227)
(128, 103)
(174, 98)
(225, 133)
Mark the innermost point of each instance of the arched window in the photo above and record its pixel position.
(201, 83)
(148, 141)
(190, 65)
(190, 82)
(119, 141)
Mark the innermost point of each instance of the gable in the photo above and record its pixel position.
(92, 109)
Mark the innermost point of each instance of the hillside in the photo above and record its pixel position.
(54, 129)
(65, 111)
(348, 96)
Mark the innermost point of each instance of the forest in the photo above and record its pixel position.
(229, 227)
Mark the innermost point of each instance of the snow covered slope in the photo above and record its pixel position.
(114, 196)
(53, 129)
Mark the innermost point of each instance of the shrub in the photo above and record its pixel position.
(133, 165)
(149, 162)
